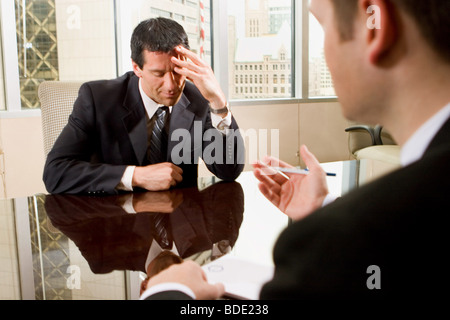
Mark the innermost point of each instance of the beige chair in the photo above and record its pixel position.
(57, 99)
(372, 142)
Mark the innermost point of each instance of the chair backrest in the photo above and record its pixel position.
(363, 136)
(57, 99)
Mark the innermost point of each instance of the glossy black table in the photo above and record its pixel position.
(61, 247)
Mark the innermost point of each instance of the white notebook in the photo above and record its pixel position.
(242, 279)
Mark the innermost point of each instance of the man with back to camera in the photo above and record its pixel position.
(109, 144)
(386, 239)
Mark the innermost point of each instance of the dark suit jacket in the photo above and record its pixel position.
(107, 132)
(398, 223)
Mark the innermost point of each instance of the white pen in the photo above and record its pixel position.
(298, 171)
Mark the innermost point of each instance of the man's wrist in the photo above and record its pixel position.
(220, 111)
(126, 183)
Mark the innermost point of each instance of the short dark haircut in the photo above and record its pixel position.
(156, 35)
(432, 18)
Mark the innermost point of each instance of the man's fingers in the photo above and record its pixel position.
(273, 182)
(185, 66)
(269, 194)
(219, 290)
(266, 170)
(274, 162)
(310, 160)
(189, 54)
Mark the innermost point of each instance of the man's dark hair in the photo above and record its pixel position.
(432, 18)
(156, 35)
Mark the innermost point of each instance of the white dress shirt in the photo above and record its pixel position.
(418, 143)
(221, 124)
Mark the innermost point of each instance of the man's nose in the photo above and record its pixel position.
(170, 81)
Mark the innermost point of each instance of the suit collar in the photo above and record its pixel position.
(442, 138)
(182, 118)
(134, 118)
(421, 141)
(133, 99)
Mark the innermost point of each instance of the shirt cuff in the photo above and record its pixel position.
(329, 199)
(128, 205)
(221, 124)
(168, 286)
(126, 183)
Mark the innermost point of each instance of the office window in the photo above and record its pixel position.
(320, 83)
(37, 47)
(63, 40)
(260, 33)
(79, 40)
(193, 15)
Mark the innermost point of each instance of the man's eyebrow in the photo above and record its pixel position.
(157, 70)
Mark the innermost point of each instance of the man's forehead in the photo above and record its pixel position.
(160, 54)
(158, 60)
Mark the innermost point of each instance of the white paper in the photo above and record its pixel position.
(242, 279)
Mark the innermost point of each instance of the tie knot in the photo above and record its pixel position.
(162, 110)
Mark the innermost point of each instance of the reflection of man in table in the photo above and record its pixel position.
(148, 128)
(128, 232)
(387, 239)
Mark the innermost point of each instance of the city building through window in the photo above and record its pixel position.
(79, 40)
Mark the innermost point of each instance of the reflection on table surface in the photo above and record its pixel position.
(83, 247)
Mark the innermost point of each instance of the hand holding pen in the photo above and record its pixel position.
(297, 195)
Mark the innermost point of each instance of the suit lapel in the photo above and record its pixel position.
(181, 118)
(135, 120)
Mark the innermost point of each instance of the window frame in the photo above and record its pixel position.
(300, 54)
(10, 64)
(220, 63)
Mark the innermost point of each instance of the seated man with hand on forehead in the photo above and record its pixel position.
(147, 129)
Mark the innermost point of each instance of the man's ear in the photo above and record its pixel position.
(137, 70)
(381, 28)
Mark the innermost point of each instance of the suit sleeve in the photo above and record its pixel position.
(169, 295)
(224, 154)
(71, 166)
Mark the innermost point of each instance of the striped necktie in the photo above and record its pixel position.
(157, 152)
(162, 235)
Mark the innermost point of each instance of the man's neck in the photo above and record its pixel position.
(419, 99)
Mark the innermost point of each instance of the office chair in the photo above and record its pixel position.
(57, 99)
(372, 142)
